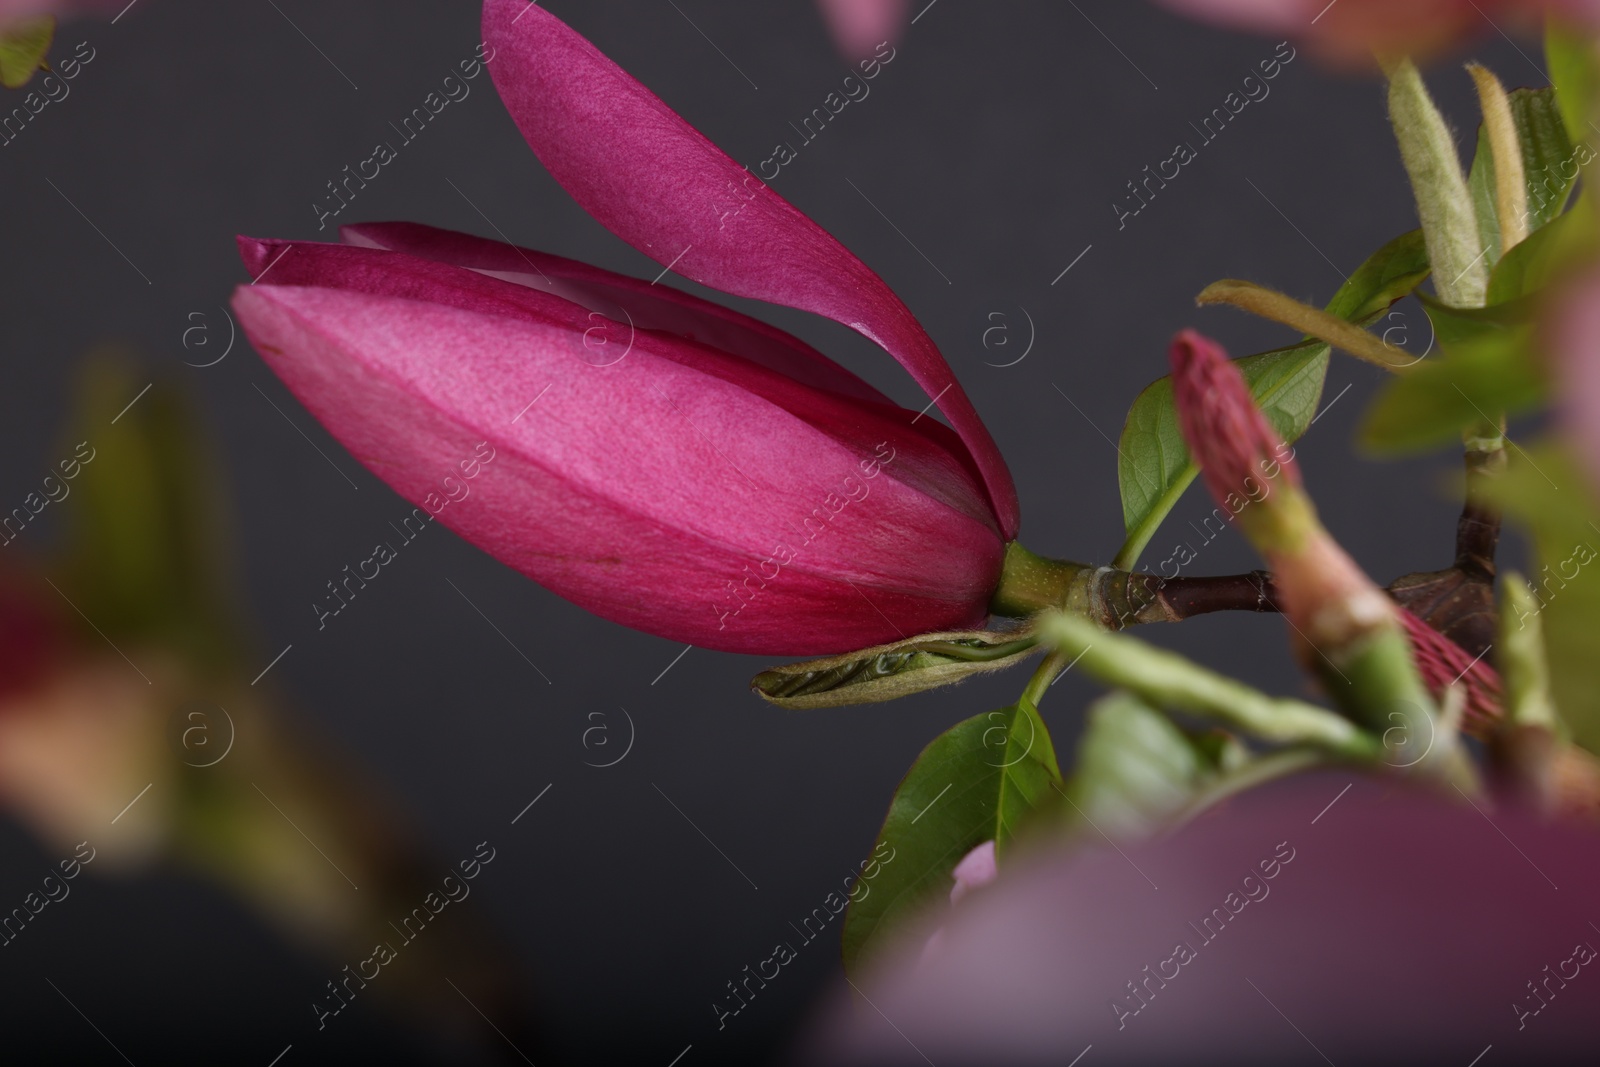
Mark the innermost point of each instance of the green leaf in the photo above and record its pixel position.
(1136, 769)
(1546, 492)
(23, 44)
(1485, 370)
(145, 537)
(1155, 467)
(1549, 162)
(976, 782)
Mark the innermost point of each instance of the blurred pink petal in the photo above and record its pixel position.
(1576, 343)
(1353, 28)
(657, 183)
(859, 26)
(14, 9)
(976, 870)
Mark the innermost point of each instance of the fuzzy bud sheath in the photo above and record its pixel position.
(1346, 629)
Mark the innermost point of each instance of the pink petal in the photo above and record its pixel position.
(859, 26)
(619, 297)
(651, 492)
(657, 183)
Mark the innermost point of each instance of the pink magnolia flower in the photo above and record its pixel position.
(1354, 28)
(661, 461)
(859, 26)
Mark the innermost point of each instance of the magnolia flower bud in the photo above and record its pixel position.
(1328, 599)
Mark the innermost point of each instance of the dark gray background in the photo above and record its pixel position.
(997, 140)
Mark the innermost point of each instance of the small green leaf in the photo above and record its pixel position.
(1155, 467)
(888, 672)
(1545, 255)
(1545, 491)
(23, 44)
(1549, 162)
(976, 782)
(1485, 370)
(1136, 769)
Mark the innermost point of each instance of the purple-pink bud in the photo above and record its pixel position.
(1237, 450)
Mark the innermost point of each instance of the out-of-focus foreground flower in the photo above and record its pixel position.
(661, 461)
(1389, 924)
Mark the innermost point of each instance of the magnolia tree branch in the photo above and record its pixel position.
(1119, 599)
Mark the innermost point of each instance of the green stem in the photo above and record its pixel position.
(1170, 681)
(1140, 536)
(1031, 583)
(1115, 598)
(1052, 666)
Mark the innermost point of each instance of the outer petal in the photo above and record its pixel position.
(657, 183)
(929, 457)
(649, 492)
(619, 297)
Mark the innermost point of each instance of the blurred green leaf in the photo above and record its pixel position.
(976, 782)
(1485, 370)
(1547, 158)
(23, 44)
(1544, 490)
(1575, 75)
(1488, 366)
(1155, 467)
(1136, 769)
(145, 540)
